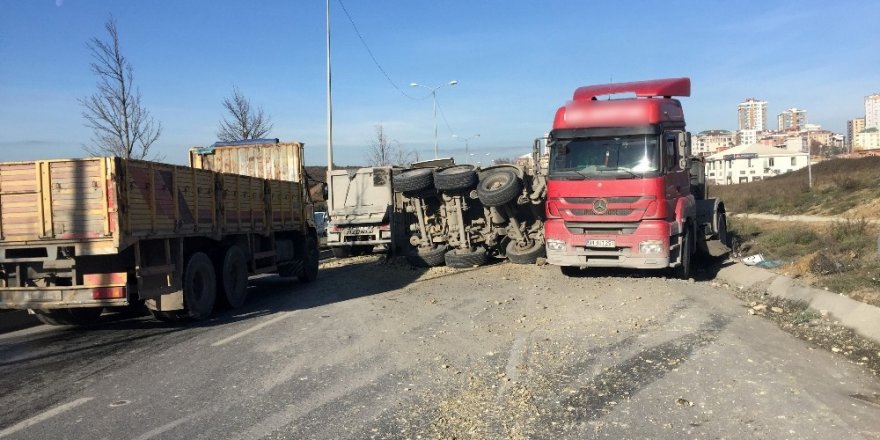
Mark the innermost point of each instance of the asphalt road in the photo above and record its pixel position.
(374, 350)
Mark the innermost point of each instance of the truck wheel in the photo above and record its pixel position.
(414, 180)
(465, 258)
(199, 287)
(233, 278)
(455, 178)
(311, 261)
(683, 270)
(498, 187)
(427, 257)
(75, 316)
(528, 254)
(341, 251)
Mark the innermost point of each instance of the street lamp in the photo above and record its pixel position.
(434, 96)
(466, 139)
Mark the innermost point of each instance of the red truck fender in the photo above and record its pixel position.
(685, 210)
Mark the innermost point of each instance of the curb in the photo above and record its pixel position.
(12, 320)
(862, 318)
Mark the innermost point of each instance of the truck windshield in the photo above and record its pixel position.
(625, 156)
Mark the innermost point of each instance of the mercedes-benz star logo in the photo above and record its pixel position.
(600, 206)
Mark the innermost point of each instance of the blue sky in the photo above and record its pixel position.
(516, 62)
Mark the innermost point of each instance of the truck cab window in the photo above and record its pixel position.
(670, 141)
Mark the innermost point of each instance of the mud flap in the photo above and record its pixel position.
(166, 303)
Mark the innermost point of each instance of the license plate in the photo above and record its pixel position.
(359, 230)
(601, 243)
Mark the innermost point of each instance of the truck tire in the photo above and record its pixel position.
(498, 187)
(233, 279)
(427, 257)
(465, 258)
(525, 255)
(414, 180)
(311, 261)
(199, 287)
(75, 316)
(455, 178)
(683, 270)
(341, 251)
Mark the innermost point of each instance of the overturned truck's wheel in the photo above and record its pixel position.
(455, 178)
(233, 278)
(464, 258)
(77, 316)
(414, 180)
(422, 257)
(199, 287)
(498, 187)
(525, 253)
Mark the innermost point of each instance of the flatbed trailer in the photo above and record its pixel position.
(79, 235)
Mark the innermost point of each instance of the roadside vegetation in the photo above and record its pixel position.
(841, 187)
(840, 256)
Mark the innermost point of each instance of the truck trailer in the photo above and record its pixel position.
(623, 189)
(81, 235)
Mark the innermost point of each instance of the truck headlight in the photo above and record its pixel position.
(555, 245)
(651, 247)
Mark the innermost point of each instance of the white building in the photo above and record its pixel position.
(748, 137)
(752, 115)
(708, 142)
(750, 163)
(872, 111)
(868, 140)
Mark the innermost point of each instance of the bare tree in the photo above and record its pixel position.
(502, 161)
(121, 125)
(244, 122)
(384, 152)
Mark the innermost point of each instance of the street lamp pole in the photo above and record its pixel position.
(434, 98)
(466, 139)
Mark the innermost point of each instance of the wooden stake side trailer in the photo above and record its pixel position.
(79, 235)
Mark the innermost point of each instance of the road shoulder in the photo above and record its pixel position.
(862, 318)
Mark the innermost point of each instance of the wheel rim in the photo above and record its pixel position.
(497, 181)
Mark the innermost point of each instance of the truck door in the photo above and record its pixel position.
(676, 177)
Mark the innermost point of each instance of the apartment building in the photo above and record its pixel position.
(752, 115)
(792, 119)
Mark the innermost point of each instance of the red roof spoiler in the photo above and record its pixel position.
(642, 89)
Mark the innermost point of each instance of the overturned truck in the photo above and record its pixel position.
(462, 215)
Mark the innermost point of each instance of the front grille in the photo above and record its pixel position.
(582, 212)
(590, 200)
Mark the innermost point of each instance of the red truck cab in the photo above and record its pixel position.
(619, 185)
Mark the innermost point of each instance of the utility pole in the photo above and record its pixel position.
(329, 119)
